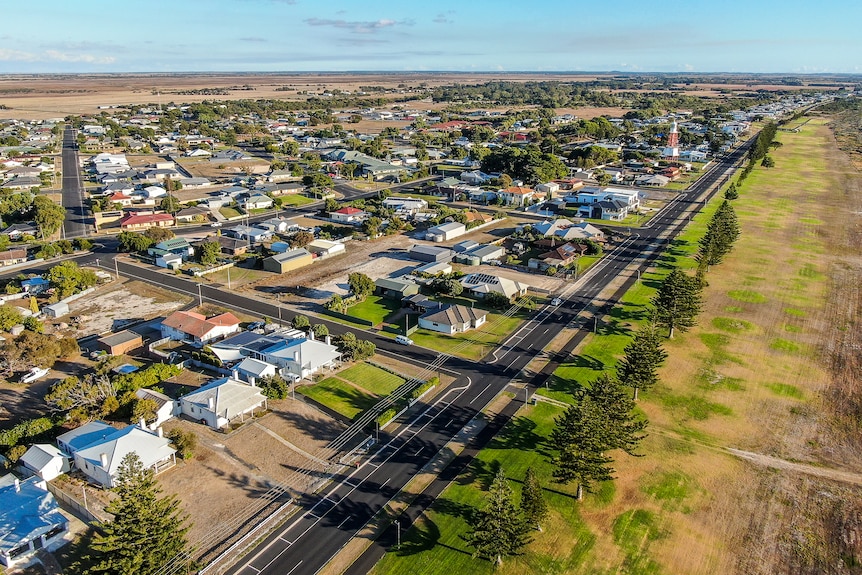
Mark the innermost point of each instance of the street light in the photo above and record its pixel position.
(200, 297)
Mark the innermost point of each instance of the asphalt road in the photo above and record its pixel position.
(77, 223)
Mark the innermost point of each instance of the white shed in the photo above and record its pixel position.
(46, 461)
(55, 310)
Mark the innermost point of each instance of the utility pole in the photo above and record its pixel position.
(397, 534)
(200, 297)
(117, 268)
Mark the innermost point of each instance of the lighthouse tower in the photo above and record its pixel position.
(671, 152)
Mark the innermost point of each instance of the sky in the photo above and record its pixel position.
(763, 36)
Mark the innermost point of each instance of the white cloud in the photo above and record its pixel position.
(7, 55)
(358, 27)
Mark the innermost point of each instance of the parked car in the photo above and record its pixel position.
(403, 340)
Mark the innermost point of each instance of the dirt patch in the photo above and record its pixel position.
(110, 307)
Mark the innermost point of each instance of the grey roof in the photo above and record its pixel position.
(430, 250)
(230, 397)
(465, 246)
(486, 251)
(394, 284)
(454, 314)
(39, 455)
(86, 434)
(448, 227)
(253, 366)
(150, 448)
(118, 338)
(160, 398)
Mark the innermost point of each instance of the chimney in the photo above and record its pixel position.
(142, 424)
(211, 402)
(328, 340)
(103, 459)
(311, 334)
(17, 486)
(234, 374)
(296, 356)
(159, 432)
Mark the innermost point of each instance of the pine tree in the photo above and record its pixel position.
(638, 369)
(498, 530)
(731, 193)
(580, 438)
(622, 430)
(148, 531)
(533, 504)
(677, 302)
(721, 232)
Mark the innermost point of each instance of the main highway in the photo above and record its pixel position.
(328, 520)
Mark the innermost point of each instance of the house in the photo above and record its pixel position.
(474, 178)
(295, 355)
(420, 303)
(558, 256)
(21, 183)
(166, 407)
(140, 222)
(258, 202)
(253, 234)
(604, 210)
(480, 217)
(252, 370)
(121, 342)
(193, 213)
(196, 328)
(395, 288)
(154, 192)
(18, 231)
(82, 436)
(221, 401)
(122, 199)
(288, 261)
(453, 319)
(191, 183)
(35, 285)
(170, 261)
(45, 460)
(517, 195)
(480, 284)
(445, 232)
(30, 519)
(100, 460)
(348, 215)
(13, 256)
(405, 206)
(178, 246)
(652, 180)
(278, 225)
(325, 248)
(229, 246)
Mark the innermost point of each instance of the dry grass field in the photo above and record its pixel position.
(752, 462)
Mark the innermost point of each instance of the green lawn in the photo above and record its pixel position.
(229, 212)
(601, 353)
(296, 200)
(339, 396)
(374, 308)
(371, 378)
(434, 546)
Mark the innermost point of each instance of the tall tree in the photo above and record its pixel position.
(579, 437)
(47, 215)
(644, 354)
(533, 504)
(498, 530)
(721, 232)
(148, 530)
(677, 302)
(360, 284)
(622, 430)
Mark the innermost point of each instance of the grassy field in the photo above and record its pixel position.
(374, 308)
(229, 212)
(339, 396)
(296, 200)
(372, 378)
(748, 376)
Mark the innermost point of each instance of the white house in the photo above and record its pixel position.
(405, 205)
(45, 460)
(98, 449)
(196, 328)
(30, 519)
(153, 192)
(166, 407)
(348, 215)
(295, 356)
(221, 401)
(481, 284)
(548, 188)
(453, 319)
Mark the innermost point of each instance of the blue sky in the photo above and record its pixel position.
(467, 35)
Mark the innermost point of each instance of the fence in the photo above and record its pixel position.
(85, 512)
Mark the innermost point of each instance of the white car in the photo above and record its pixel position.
(556, 301)
(404, 340)
(215, 225)
(34, 374)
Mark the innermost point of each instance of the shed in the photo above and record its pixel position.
(45, 460)
(325, 248)
(288, 261)
(430, 254)
(445, 232)
(56, 310)
(121, 342)
(465, 246)
(395, 288)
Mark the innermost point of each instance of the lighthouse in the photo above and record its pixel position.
(671, 152)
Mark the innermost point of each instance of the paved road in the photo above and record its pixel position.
(77, 223)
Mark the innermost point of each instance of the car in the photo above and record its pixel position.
(403, 340)
(556, 301)
(255, 325)
(215, 225)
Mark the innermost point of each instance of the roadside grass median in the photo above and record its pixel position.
(339, 396)
(371, 378)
